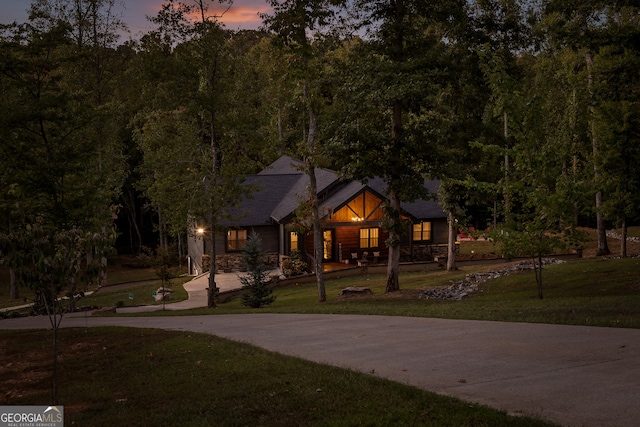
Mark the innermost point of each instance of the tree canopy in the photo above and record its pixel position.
(526, 111)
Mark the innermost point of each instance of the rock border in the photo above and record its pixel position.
(460, 289)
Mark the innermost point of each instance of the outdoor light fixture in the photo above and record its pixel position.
(200, 231)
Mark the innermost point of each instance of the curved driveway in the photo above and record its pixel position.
(572, 375)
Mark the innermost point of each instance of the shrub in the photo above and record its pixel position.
(294, 265)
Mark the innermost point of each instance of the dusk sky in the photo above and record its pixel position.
(242, 15)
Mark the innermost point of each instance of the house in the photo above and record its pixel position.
(351, 214)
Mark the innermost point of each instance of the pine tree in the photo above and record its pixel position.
(256, 282)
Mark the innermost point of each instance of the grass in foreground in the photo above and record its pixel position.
(117, 376)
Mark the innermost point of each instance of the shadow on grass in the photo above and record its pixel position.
(118, 376)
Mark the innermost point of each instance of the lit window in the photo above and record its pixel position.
(368, 238)
(236, 240)
(294, 241)
(422, 231)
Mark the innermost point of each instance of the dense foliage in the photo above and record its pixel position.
(529, 111)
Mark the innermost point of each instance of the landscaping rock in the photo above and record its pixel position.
(615, 235)
(460, 289)
(163, 294)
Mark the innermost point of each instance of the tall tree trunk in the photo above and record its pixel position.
(603, 247)
(537, 268)
(281, 146)
(54, 379)
(393, 267)
(129, 200)
(507, 166)
(212, 290)
(451, 246)
(102, 278)
(623, 239)
(318, 237)
(161, 229)
(54, 320)
(574, 158)
(14, 292)
(72, 300)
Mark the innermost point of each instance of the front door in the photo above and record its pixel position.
(328, 245)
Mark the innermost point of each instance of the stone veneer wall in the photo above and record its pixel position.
(234, 262)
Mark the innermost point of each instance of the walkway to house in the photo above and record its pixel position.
(571, 375)
(197, 290)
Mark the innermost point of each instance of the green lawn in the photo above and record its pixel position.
(598, 292)
(139, 293)
(595, 292)
(133, 377)
(141, 281)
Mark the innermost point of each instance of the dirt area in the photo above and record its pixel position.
(407, 294)
(23, 375)
(28, 372)
(590, 248)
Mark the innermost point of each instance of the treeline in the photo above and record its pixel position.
(527, 111)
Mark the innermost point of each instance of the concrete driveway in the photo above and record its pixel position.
(571, 375)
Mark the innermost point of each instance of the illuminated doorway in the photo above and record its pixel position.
(328, 245)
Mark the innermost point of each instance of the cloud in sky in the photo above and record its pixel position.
(243, 14)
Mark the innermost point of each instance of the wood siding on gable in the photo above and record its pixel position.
(364, 207)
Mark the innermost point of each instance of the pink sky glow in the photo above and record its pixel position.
(243, 14)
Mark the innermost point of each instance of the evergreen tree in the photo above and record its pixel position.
(256, 282)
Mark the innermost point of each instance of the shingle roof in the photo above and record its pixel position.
(283, 166)
(425, 209)
(421, 208)
(282, 186)
(288, 165)
(290, 201)
(257, 208)
(341, 196)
